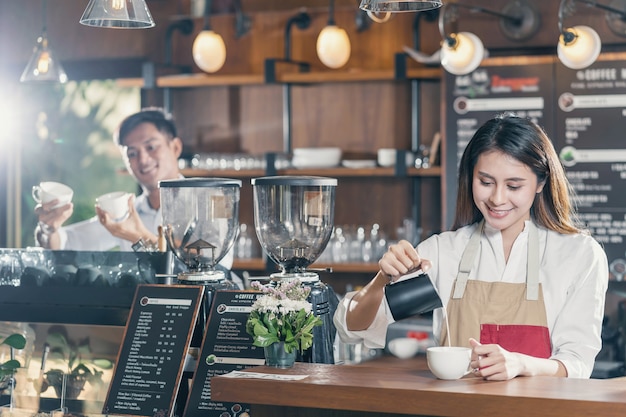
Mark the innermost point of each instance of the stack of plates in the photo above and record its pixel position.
(359, 163)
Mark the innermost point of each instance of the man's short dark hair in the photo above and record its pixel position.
(153, 115)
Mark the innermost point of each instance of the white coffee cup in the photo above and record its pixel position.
(115, 203)
(48, 191)
(449, 362)
(386, 157)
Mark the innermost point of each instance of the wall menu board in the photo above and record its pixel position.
(590, 126)
(226, 347)
(151, 358)
(474, 98)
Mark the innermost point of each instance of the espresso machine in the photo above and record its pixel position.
(200, 224)
(294, 219)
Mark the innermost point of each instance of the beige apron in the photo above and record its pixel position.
(508, 314)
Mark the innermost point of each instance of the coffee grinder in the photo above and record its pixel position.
(200, 223)
(293, 219)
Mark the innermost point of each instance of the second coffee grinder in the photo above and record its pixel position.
(294, 219)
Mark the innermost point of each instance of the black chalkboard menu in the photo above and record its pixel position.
(591, 126)
(474, 98)
(151, 358)
(226, 347)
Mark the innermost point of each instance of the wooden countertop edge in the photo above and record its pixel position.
(396, 390)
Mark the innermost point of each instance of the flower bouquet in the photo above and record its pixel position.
(282, 314)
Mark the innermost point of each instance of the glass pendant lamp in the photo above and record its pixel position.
(399, 5)
(122, 14)
(43, 65)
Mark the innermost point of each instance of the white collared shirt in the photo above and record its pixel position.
(91, 235)
(573, 274)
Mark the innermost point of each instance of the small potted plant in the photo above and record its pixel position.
(80, 367)
(8, 368)
(281, 321)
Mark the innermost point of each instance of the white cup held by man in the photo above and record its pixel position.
(48, 191)
(449, 362)
(115, 204)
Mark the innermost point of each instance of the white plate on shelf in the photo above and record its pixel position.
(359, 163)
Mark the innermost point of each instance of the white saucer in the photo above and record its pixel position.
(359, 163)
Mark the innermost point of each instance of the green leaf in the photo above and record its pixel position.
(264, 341)
(16, 341)
(306, 341)
(103, 363)
(10, 365)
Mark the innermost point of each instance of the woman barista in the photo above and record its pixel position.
(522, 284)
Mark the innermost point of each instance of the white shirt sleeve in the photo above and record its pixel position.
(373, 337)
(88, 235)
(574, 294)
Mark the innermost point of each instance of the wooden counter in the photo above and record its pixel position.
(389, 386)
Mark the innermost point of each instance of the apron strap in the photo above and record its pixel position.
(532, 268)
(471, 250)
(467, 260)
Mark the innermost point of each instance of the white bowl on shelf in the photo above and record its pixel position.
(316, 157)
(404, 347)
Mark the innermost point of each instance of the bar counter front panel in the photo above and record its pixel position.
(388, 386)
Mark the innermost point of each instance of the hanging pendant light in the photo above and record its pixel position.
(333, 44)
(121, 14)
(42, 65)
(461, 53)
(399, 5)
(579, 46)
(209, 50)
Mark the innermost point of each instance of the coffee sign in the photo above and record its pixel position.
(226, 347)
(151, 358)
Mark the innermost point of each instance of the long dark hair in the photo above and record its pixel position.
(525, 141)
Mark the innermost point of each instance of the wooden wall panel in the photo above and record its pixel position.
(261, 126)
(364, 201)
(358, 117)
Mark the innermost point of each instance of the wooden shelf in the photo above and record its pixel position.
(357, 267)
(254, 264)
(206, 80)
(324, 172)
(258, 264)
(212, 80)
(353, 76)
(223, 173)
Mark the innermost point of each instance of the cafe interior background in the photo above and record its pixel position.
(259, 101)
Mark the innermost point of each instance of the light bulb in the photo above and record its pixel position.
(464, 55)
(582, 51)
(116, 9)
(209, 51)
(117, 4)
(43, 64)
(333, 46)
(379, 17)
